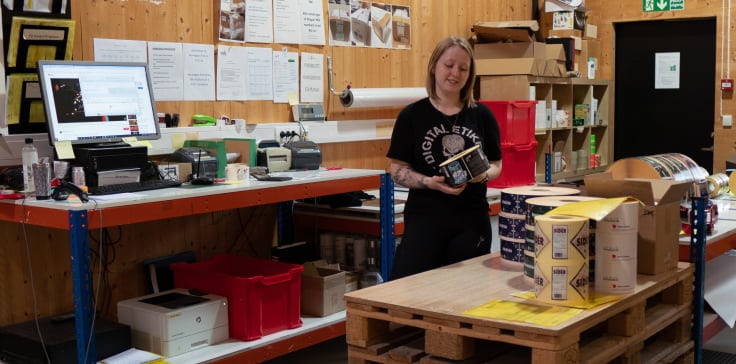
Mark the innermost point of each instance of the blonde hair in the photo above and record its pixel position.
(466, 94)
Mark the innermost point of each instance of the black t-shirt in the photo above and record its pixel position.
(424, 138)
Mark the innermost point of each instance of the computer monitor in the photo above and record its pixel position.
(97, 102)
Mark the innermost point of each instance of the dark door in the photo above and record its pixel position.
(650, 120)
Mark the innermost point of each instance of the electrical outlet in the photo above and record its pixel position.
(727, 120)
(285, 133)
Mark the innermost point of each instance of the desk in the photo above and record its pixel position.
(79, 218)
(421, 316)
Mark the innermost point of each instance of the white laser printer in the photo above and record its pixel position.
(174, 322)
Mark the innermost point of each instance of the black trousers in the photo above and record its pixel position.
(431, 241)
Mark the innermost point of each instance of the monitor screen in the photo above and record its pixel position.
(95, 102)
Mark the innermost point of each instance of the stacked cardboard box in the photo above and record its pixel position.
(509, 48)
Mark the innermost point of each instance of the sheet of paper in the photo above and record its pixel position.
(286, 16)
(524, 312)
(285, 75)
(720, 285)
(312, 22)
(120, 50)
(260, 74)
(231, 73)
(259, 21)
(312, 66)
(64, 149)
(165, 63)
(199, 72)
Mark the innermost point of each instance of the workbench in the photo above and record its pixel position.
(79, 218)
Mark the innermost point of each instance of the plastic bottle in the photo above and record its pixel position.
(29, 154)
(372, 275)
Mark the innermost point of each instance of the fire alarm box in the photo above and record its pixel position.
(727, 84)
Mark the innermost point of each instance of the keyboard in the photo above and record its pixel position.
(133, 187)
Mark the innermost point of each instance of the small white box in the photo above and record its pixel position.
(174, 322)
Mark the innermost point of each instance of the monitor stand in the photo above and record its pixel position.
(111, 163)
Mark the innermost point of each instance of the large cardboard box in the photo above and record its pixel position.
(510, 66)
(322, 289)
(510, 50)
(245, 148)
(505, 31)
(659, 218)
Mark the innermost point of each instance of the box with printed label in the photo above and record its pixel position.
(659, 217)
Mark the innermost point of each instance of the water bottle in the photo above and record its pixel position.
(29, 155)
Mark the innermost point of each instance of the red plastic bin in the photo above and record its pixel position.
(516, 119)
(263, 295)
(518, 166)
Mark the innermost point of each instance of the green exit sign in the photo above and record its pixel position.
(662, 5)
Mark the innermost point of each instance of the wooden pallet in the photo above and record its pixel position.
(401, 322)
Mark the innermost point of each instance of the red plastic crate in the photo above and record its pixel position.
(516, 119)
(263, 295)
(517, 167)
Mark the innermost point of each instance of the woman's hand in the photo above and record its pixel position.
(438, 183)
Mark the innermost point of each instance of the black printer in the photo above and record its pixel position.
(305, 154)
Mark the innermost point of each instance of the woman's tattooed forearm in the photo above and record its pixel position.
(406, 176)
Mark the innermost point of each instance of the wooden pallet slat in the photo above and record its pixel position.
(650, 326)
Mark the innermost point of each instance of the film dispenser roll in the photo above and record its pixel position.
(513, 218)
(717, 184)
(561, 259)
(676, 166)
(615, 254)
(539, 206)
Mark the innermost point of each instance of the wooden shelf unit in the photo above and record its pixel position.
(566, 139)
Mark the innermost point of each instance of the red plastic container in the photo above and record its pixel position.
(516, 119)
(263, 295)
(518, 166)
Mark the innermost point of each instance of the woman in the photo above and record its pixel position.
(443, 224)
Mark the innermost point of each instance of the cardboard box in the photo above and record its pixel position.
(401, 26)
(340, 25)
(361, 27)
(659, 218)
(567, 19)
(381, 23)
(505, 31)
(245, 148)
(564, 33)
(322, 289)
(510, 50)
(174, 171)
(510, 66)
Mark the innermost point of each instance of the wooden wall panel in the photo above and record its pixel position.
(605, 14)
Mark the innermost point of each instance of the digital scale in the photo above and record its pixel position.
(308, 112)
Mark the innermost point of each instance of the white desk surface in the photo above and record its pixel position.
(188, 191)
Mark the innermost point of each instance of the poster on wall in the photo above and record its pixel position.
(232, 20)
(369, 24)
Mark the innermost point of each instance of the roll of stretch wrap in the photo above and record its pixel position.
(561, 266)
(616, 244)
(513, 217)
(539, 206)
(377, 97)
